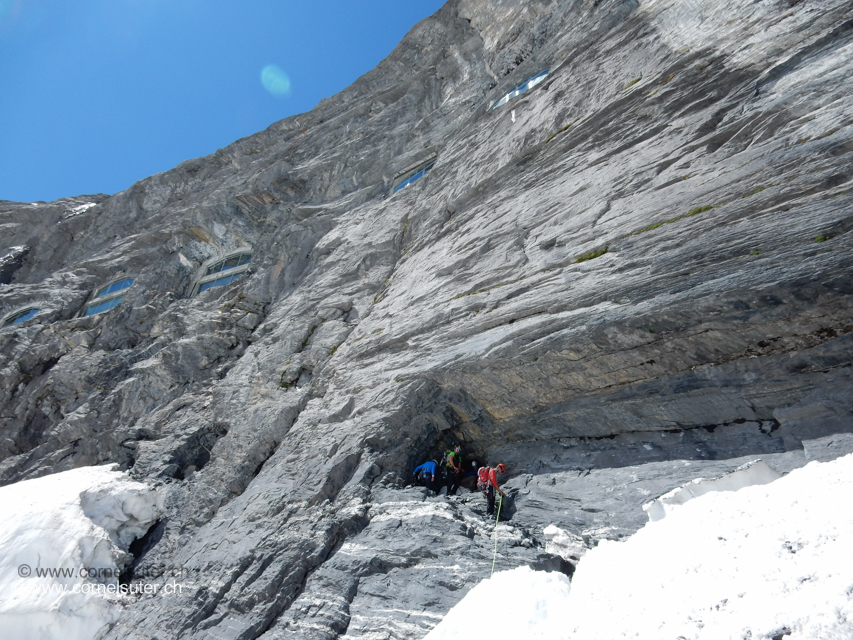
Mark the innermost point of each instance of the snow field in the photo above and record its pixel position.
(520, 603)
(762, 562)
(75, 521)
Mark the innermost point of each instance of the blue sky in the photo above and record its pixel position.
(97, 94)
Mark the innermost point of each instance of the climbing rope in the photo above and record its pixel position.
(497, 517)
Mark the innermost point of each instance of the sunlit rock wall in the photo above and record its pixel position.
(637, 272)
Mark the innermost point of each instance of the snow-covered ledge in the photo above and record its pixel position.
(65, 541)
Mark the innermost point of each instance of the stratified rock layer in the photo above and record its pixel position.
(633, 275)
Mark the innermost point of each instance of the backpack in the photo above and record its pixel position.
(482, 478)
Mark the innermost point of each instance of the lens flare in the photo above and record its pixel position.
(275, 80)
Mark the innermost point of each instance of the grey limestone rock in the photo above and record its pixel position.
(635, 274)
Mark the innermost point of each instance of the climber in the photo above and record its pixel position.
(454, 469)
(425, 475)
(487, 482)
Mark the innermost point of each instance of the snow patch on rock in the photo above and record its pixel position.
(520, 603)
(760, 562)
(79, 209)
(53, 527)
(766, 561)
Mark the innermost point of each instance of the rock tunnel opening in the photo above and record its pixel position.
(448, 418)
(445, 419)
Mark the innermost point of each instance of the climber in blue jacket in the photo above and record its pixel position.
(425, 475)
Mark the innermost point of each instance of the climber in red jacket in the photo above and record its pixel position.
(487, 481)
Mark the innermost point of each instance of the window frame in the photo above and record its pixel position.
(104, 297)
(404, 178)
(206, 277)
(105, 293)
(520, 88)
(16, 316)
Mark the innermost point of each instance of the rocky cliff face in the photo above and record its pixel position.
(634, 274)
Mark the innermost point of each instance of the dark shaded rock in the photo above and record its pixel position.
(11, 262)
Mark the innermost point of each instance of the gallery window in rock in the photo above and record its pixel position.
(107, 297)
(223, 271)
(528, 84)
(19, 316)
(412, 174)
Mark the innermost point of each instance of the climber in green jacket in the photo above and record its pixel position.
(454, 470)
